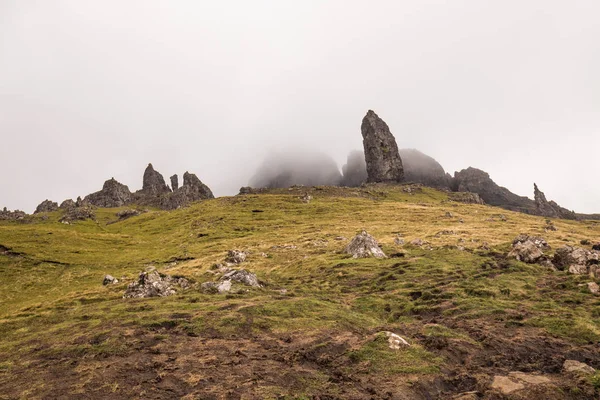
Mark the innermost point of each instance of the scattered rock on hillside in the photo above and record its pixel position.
(528, 249)
(225, 283)
(568, 256)
(364, 245)
(576, 367)
(113, 194)
(125, 214)
(110, 280)
(154, 284)
(16, 215)
(395, 341)
(78, 213)
(417, 242)
(596, 247)
(46, 206)
(306, 198)
(236, 256)
(381, 151)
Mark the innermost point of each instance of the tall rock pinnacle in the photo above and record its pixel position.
(381, 151)
(154, 183)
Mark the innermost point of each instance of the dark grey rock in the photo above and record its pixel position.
(364, 245)
(46, 206)
(67, 204)
(174, 182)
(236, 256)
(16, 215)
(421, 168)
(381, 151)
(113, 194)
(550, 209)
(154, 183)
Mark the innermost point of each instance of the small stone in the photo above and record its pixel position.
(576, 367)
(593, 287)
(449, 214)
(396, 342)
(398, 241)
(110, 280)
(236, 256)
(506, 385)
(417, 242)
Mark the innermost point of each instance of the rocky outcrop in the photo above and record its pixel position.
(477, 181)
(466, 197)
(16, 215)
(421, 168)
(154, 284)
(67, 204)
(528, 249)
(229, 279)
(381, 151)
(192, 190)
(577, 260)
(113, 194)
(175, 182)
(283, 170)
(549, 209)
(154, 183)
(364, 245)
(80, 212)
(355, 170)
(46, 206)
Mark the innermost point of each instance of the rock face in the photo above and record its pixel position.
(355, 170)
(282, 170)
(175, 182)
(421, 168)
(67, 204)
(577, 260)
(192, 190)
(113, 194)
(364, 245)
(381, 151)
(477, 181)
(153, 284)
(550, 209)
(46, 206)
(6, 215)
(154, 183)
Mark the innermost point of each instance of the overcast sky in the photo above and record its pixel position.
(91, 90)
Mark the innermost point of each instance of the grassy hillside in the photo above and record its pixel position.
(312, 331)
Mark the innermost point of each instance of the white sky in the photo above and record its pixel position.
(95, 89)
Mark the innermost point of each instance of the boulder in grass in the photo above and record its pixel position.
(154, 284)
(363, 246)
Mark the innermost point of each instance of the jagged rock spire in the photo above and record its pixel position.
(381, 151)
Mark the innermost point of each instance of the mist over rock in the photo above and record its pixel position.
(549, 208)
(113, 194)
(381, 151)
(282, 170)
(421, 168)
(154, 183)
(355, 170)
(477, 181)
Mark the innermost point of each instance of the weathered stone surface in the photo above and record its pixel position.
(506, 385)
(364, 245)
(381, 151)
(395, 341)
(67, 204)
(466, 197)
(236, 256)
(567, 256)
(527, 252)
(477, 181)
(192, 190)
(549, 208)
(110, 280)
(78, 213)
(16, 215)
(576, 367)
(231, 276)
(539, 242)
(578, 269)
(153, 284)
(593, 287)
(154, 183)
(175, 182)
(113, 194)
(46, 206)
(421, 168)
(125, 214)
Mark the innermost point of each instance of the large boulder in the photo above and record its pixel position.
(154, 183)
(549, 209)
(381, 151)
(364, 245)
(576, 257)
(285, 169)
(154, 284)
(113, 194)
(528, 249)
(421, 168)
(46, 206)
